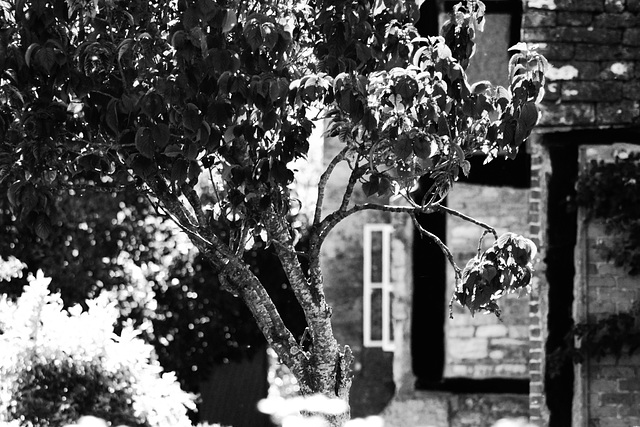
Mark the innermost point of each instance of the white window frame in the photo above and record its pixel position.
(386, 343)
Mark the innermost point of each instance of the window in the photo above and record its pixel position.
(377, 287)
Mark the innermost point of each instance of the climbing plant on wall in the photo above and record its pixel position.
(610, 192)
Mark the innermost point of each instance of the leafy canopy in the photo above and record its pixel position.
(162, 95)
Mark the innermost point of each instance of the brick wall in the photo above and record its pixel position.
(608, 390)
(540, 170)
(593, 47)
(484, 346)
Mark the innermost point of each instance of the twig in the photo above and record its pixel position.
(454, 212)
(445, 250)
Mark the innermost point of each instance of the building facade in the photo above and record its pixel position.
(390, 289)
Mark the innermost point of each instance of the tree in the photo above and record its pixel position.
(201, 106)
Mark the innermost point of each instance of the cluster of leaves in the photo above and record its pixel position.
(503, 268)
(610, 192)
(59, 364)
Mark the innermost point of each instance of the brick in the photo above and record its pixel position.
(616, 399)
(629, 411)
(581, 5)
(591, 91)
(461, 331)
(608, 53)
(557, 51)
(630, 385)
(629, 282)
(574, 19)
(617, 113)
(613, 5)
(631, 37)
(539, 18)
(616, 20)
(567, 114)
(470, 348)
(490, 331)
(573, 34)
(617, 70)
(602, 281)
(613, 372)
(604, 386)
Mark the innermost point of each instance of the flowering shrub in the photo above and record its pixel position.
(10, 268)
(57, 365)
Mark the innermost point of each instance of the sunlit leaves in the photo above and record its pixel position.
(503, 268)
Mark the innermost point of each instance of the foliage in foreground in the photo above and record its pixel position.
(57, 365)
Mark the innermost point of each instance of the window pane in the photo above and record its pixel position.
(376, 314)
(376, 257)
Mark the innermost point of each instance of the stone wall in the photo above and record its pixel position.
(484, 346)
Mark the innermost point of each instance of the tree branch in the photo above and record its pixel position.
(454, 212)
(445, 250)
(356, 174)
(324, 178)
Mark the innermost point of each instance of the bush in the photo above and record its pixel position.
(57, 365)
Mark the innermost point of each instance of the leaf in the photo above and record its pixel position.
(42, 227)
(521, 46)
(529, 114)
(466, 167)
(371, 187)
(46, 58)
(191, 117)
(123, 47)
(152, 104)
(480, 87)
(14, 192)
(443, 126)
(144, 143)
(143, 167)
(28, 199)
(422, 147)
(173, 150)
(407, 88)
(230, 21)
(160, 134)
(179, 171)
(520, 134)
(111, 116)
(190, 18)
(29, 53)
(403, 147)
(253, 34)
